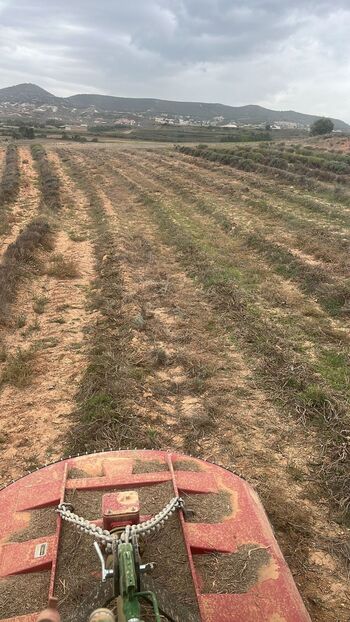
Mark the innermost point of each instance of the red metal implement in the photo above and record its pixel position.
(272, 598)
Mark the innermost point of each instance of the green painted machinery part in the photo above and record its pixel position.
(128, 585)
(128, 581)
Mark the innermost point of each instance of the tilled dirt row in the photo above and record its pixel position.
(232, 217)
(199, 396)
(322, 199)
(27, 203)
(243, 209)
(304, 341)
(299, 292)
(282, 208)
(282, 298)
(43, 343)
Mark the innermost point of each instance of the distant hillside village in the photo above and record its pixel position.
(221, 122)
(29, 105)
(83, 119)
(90, 119)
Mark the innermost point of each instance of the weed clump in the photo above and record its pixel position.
(39, 304)
(18, 371)
(62, 267)
(77, 237)
(160, 357)
(20, 321)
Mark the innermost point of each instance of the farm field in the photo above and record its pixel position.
(195, 299)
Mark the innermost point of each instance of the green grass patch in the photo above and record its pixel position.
(335, 367)
(98, 406)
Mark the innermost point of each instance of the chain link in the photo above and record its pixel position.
(146, 528)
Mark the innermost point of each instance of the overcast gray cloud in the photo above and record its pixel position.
(276, 53)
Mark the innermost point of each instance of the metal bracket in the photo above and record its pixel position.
(107, 573)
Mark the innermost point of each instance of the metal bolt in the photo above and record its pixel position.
(102, 615)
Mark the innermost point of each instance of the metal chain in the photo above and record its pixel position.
(105, 536)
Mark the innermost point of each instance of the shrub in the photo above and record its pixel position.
(276, 162)
(322, 126)
(225, 158)
(50, 186)
(257, 156)
(315, 161)
(248, 165)
(212, 156)
(10, 180)
(17, 259)
(338, 167)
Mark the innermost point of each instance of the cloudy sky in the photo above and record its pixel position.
(281, 54)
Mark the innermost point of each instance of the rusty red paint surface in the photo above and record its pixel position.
(274, 597)
(120, 509)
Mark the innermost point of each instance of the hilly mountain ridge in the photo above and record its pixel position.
(27, 93)
(34, 96)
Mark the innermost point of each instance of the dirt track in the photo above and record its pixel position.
(185, 334)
